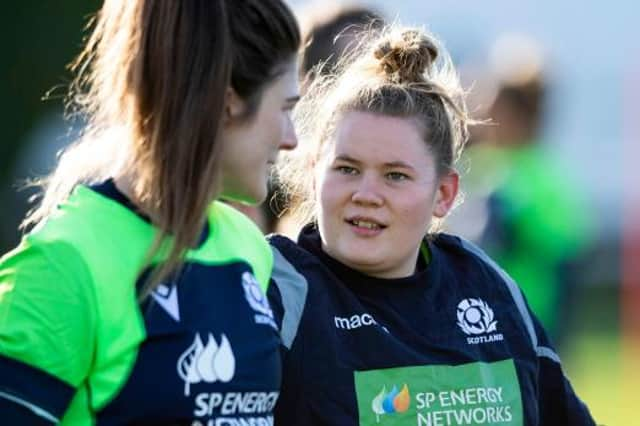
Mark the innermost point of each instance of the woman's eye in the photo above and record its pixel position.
(346, 170)
(397, 176)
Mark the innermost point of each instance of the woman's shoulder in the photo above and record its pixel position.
(471, 264)
(461, 252)
(91, 230)
(89, 219)
(480, 276)
(232, 235)
(289, 249)
(283, 243)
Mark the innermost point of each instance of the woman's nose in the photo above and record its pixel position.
(289, 138)
(367, 192)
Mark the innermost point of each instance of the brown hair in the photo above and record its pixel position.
(401, 72)
(151, 84)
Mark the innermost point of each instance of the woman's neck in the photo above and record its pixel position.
(126, 183)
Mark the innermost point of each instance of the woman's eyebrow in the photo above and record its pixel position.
(400, 164)
(345, 157)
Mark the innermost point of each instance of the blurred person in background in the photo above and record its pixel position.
(521, 205)
(136, 294)
(383, 318)
(330, 31)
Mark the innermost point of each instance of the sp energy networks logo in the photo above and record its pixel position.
(391, 402)
(221, 405)
(257, 300)
(476, 318)
(206, 363)
(477, 393)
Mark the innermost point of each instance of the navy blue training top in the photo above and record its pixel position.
(453, 344)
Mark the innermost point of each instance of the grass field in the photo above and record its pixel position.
(604, 367)
(594, 365)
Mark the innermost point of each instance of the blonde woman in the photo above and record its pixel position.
(385, 320)
(138, 298)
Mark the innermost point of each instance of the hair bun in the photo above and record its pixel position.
(405, 57)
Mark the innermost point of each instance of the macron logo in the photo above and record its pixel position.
(168, 299)
(355, 321)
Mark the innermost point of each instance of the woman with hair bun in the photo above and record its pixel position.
(138, 297)
(384, 319)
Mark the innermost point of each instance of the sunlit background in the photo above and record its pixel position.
(591, 127)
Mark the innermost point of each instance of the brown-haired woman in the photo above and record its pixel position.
(383, 318)
(138, 298)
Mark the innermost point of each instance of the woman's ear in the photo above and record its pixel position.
(233, 106)
(446, 194)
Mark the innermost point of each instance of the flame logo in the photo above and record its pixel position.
(391, 402)
(210, 363)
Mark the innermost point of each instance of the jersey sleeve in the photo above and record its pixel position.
(557, 400)
(275, 302)
(287, 295)
(558, 404)
(46, 331)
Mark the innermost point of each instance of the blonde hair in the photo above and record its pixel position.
(397, 71)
